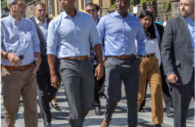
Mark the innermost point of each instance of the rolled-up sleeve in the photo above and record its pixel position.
(101, 31)
(52, 39)
(35, 39)
(94, 36)
(101, 28)
(140, 37)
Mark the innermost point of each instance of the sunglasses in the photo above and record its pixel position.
(91, 10)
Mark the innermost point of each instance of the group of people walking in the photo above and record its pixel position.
(82, 51)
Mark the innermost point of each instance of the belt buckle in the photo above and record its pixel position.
(79, 57)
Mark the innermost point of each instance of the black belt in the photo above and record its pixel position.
(150, 55)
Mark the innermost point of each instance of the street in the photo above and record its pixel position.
(119, 118)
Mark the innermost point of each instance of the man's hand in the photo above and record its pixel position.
(55, 81)
(99, 71)
(172, 78)
(14, 59)
(38, 62)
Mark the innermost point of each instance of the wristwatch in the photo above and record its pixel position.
(139, 57)
(6, 55)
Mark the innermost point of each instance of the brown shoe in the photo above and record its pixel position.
(69, 121)
(104, 123)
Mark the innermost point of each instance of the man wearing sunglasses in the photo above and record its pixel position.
(91, 10)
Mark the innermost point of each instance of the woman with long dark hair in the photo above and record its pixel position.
(149, 69)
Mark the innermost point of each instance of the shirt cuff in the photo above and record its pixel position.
(141, 53)
(170, 73)
(36, 49)
(51, 51)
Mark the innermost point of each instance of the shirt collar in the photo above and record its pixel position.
(14, 21)
(118, 15)
(190, 21)
(39, 22)
(65, 15)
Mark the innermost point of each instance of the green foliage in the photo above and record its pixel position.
(3, 4)
(145, 1)
(113, 4)
(167, 6)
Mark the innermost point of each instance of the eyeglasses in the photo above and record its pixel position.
(91, 10)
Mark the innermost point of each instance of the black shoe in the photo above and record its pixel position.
(48, 125)
(102, 95)
(170, 112)
(157, 125)
(98, 110)
(141, 109)
(55, 106)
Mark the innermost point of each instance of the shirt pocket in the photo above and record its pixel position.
(27, 38)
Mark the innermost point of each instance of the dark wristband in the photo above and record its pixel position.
(6, 55)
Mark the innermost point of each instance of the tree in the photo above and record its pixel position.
(3, 4)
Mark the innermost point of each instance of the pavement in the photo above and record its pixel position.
(119, 118)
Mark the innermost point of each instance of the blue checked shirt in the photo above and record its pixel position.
(20, 38)
(69, 37)
(120, 34)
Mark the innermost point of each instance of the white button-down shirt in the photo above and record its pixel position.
(43, 28)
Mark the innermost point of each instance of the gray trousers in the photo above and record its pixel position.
(77, 77)
(181, 95)
(126, 70)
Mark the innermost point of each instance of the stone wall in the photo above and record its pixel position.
(160, 12)
(158, 6)
(30, 8)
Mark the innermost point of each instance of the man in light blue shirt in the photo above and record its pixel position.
(120, 30)
(69, 38)
(19, 50)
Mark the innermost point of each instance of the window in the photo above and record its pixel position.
(59, 8)
(84, 3)
(50, 4)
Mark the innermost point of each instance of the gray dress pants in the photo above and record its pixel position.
(126, 70)
(182, 95)
(78, 79)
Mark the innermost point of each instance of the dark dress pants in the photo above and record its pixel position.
(165, 89)
(98, 86)
(46, 92)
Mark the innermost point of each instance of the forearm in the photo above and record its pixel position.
(37, 55)
(98, 52)
(52, 63)
(37, 59)
(3, 54)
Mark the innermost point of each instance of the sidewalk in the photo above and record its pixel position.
(119, 117)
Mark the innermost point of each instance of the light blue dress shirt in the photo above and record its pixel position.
(191, 28)
(69, 37)
(20, 38)
(120, 34)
